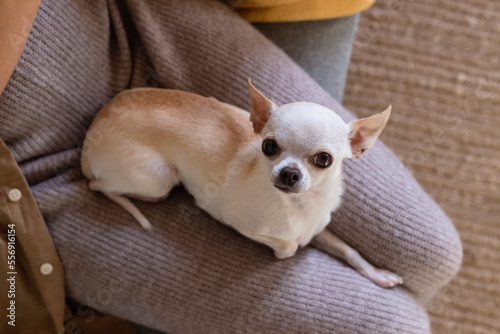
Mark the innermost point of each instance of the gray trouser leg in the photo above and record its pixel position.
(322, 48)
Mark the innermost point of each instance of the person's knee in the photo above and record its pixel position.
(437, 256)
(413, 239)
(390, 220)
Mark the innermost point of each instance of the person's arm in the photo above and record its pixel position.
(16, 18)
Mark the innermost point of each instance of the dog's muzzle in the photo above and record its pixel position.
(287, 179)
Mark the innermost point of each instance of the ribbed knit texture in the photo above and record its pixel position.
(191, 274)
(438, 63)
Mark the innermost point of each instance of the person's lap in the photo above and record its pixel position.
(192, 274)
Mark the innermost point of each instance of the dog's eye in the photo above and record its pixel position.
(269, 147)
(323, 160)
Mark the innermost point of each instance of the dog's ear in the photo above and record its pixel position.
(261, 108)
(364, 132)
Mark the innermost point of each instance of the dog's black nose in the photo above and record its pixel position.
(289, 176)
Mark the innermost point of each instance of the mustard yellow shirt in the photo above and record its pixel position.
(298, 10)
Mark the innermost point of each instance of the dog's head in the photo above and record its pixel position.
(304, 143)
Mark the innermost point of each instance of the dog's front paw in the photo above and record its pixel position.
(283, 255)
(286, 249)
(383, 278)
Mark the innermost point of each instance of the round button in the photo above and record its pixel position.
(15, 194)
(46, 268)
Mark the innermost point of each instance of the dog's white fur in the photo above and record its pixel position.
(146, 141)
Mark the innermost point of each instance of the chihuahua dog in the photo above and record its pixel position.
(275, 176)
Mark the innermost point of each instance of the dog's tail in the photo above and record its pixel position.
(130, 207)
(96, 185)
